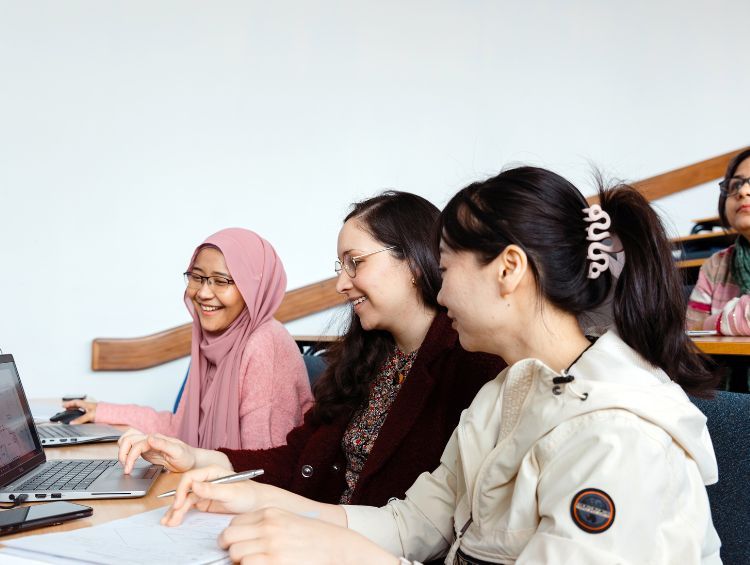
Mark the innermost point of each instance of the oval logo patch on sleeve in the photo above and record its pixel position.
(593, 510)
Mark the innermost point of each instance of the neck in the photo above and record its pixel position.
(555, 339)
(411, 333)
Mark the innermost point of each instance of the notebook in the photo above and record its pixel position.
(24, 468)
(52, 435)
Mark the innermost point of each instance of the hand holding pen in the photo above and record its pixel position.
(245, 475)
(203, 489)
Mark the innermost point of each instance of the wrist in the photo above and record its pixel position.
(206, 457)
(362, 551)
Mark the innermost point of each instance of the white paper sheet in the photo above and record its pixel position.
(137, 540)
(8, 558)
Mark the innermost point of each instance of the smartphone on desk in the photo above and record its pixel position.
(39, 515)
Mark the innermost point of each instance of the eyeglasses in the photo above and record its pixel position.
(349, 263)
(195, 281)
(731, 187)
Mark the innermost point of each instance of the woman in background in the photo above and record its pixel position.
(584, 450)
(721, 298)
(247, 385)
(396, 382)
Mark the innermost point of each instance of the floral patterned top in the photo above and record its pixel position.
(364, 427)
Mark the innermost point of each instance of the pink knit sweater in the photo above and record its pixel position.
(274, 389)
(717, 303)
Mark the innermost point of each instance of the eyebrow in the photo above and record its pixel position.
(219, 273)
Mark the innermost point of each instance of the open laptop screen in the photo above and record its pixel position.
(20, 449)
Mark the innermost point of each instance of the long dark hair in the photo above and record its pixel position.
(405, 221)
(541, 212)
(731, 169)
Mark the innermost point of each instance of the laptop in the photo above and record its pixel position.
(52, 435)
(24, 468)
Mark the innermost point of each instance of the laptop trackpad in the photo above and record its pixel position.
(115, 480)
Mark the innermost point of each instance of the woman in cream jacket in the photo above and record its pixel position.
(583, 450)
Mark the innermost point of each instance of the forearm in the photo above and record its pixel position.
(735, 317)
(143, 418)
(274, 497)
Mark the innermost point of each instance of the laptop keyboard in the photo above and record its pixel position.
(67, 475)
(60, 430)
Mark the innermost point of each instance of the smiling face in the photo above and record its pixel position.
(381, 291)
(737, 208)
(216, 309)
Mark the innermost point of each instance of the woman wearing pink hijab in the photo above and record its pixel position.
(247, 386)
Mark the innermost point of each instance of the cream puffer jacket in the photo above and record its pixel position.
(608, 468)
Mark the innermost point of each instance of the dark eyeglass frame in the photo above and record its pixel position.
(214, 281)
(338, 265)
(725, 186)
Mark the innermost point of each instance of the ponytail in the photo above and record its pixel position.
(649, 303)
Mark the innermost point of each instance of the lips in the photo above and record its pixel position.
(208, 309)
(357, 301)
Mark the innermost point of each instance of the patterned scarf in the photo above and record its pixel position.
(741, 264)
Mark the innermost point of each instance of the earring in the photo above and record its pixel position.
(413, 282)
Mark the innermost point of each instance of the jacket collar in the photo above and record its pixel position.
(413, 395)
(609, 375)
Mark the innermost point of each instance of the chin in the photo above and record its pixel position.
(367, 325)
(213, 328)
(466, 343)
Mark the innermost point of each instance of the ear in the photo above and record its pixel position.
(416, 274)
(512, 265)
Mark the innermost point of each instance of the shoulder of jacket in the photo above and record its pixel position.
(600, 428)
(488, 397)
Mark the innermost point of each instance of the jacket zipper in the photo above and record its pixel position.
(465, 527)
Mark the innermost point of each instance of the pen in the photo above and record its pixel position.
(222, 480)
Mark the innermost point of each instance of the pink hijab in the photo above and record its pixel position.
(210, 404)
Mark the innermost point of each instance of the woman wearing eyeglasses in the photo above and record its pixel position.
(396, 382)
(247, 385)
(721, 298)
(585, 450)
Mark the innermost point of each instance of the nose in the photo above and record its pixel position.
(744, 189)
(343, 282)
(440, 297)
(205, 292)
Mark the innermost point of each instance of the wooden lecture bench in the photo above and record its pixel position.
(723, 345)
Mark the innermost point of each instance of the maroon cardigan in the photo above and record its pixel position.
(442, 382)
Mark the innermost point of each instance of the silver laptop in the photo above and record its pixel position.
(24, 469)
(52, 435)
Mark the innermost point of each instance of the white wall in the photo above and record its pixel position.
(129, 131)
